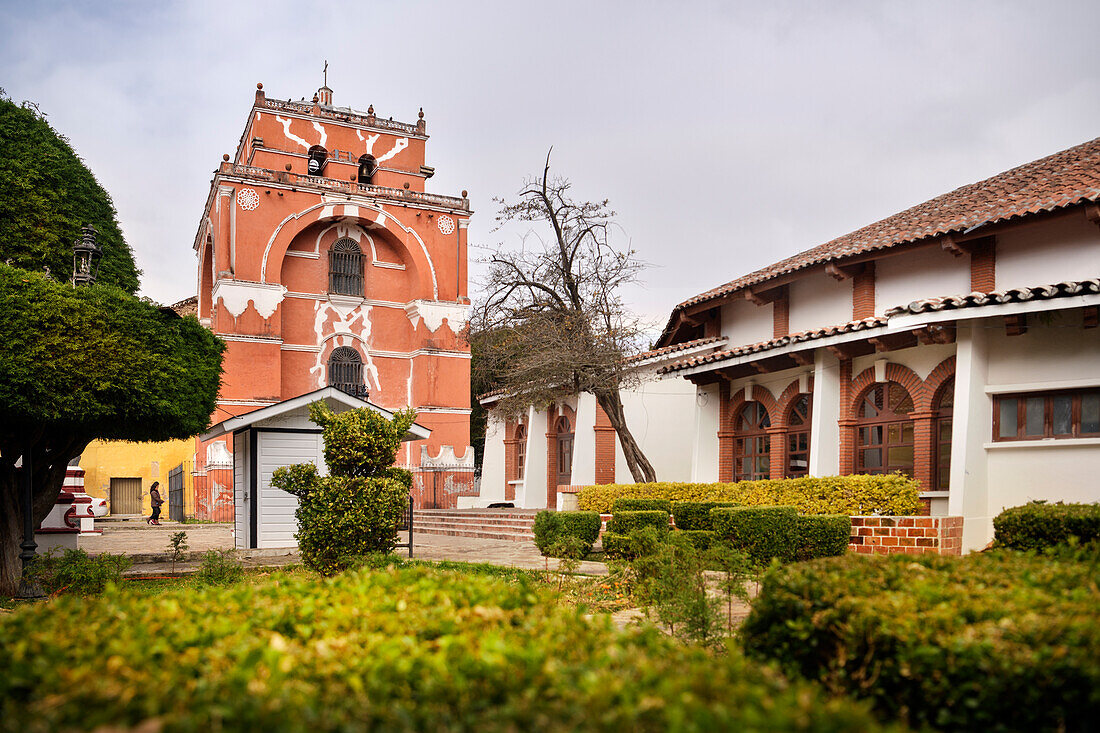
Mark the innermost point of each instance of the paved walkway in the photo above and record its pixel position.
(147, 545)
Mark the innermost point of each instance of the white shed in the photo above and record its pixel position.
(274, 436)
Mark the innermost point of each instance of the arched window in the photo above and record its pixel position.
(521, 450)
(884, 430)
(941, 429)
(798, 438)
(565, 451)
(345, 268)
(368, 166)
(345, 372)
(752, 445)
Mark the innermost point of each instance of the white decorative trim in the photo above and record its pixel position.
(249, 403)
(1044, 443)
(433, 312)
(1048, 386)
(388, 265)
(300, 347)
(236, 294)
(934, 494)
(446, 410)
(306, 255)
(249, 339)
(446, 457)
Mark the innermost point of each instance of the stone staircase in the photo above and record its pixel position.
(489, 524)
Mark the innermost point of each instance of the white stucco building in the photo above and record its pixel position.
(956, 341)
(572, 443)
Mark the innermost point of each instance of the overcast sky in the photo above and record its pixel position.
(726, 135)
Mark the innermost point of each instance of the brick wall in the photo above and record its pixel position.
(605, 448)
(781, 315)
(983, 266)
(906, 535)
(863, 293)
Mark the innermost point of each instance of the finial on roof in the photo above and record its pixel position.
(421, 115)
(370, 110)
(259, 85)
(326, 72)
(225, 157)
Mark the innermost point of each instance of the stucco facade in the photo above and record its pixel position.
(322, 260)
(956, 341)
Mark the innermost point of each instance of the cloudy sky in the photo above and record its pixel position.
(727, 135)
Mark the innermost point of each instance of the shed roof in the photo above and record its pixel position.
(336, 399)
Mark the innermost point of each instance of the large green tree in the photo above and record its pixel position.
(46, 195)
(78, 363)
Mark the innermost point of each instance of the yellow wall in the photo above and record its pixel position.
(103, 460)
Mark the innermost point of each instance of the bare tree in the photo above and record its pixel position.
(556, 322)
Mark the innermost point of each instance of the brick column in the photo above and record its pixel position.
(847, 420)
(863, 293)
(781, 316)
(923, 450)
(777, 435)
(552, 457)
(983, 266)
(725, 436)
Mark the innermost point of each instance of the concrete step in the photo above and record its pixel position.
(442, 526)
(471, 514)
(487, 534)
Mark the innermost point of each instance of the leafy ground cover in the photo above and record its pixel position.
(396, 647)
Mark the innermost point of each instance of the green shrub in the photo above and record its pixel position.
(823, 535)
(694, 514)
(639, 543)
(398, 648)
(355, 510)
(763, 532)
(1037, 526)
(671, 583)
(219, 567)
(75, 571)
(550, 527)
(627, 522)
(627, 504)
(890, 495)
(700, 539)
(989, 641)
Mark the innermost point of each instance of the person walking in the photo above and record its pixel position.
(155, 501)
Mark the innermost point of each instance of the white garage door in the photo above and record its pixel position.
(277, 524)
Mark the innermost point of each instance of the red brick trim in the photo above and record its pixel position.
(920, 535)
(605, 448)
(943, 372)
(983, 267)
(847, 435)
(863, 292)
(781, 315)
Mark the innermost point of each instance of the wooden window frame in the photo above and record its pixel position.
(794, 431)
(943, 415)
(1076, 427)
(521, 451)
(886, 418)
(758, 432)
(345, 268)
(346, 372)
(564, 447)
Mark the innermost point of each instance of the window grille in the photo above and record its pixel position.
(345, 268)
(345, 372)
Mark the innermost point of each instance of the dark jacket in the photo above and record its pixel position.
(154, 497)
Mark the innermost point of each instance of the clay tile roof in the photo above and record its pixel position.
(187, 306)
(684, 346)
(1056, 181)
(794, 338)
(1013, 295)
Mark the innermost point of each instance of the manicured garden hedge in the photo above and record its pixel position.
(993, 641)
(763, 532)
(1037, 526)
(822, 535)
(694, 515)
(551, 527)
(390, 649)
(626, 504)
(626, 522)
(891, 495)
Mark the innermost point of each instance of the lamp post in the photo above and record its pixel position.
(86, 257)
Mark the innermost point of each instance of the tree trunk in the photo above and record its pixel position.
(640, 467)
(49, 463)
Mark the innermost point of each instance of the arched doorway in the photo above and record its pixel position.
(884, 432)
(752, 444)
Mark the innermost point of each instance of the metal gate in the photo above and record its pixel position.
(175, 494)
(438, 487)
(125, 495)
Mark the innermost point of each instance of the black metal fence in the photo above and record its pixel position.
(205, 493)
(405, 524)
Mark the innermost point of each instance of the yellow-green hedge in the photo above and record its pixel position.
(892, 495)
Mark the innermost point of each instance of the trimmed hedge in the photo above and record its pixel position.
(627, 504)
(551, 526)
(617, 545)
(1036, 526)
(989, 641)
(694, 515)
(823, 535)
(889, 495)
(762, 532)
(397, 649)
(701, 539)
(627, 522)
